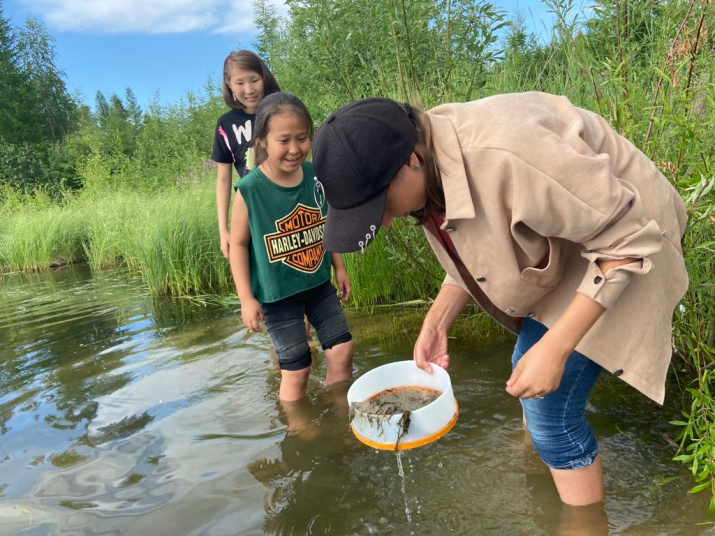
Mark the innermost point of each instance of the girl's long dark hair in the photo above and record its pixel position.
(425, 151)
(276, 104)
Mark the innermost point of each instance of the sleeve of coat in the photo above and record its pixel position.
(579, 199)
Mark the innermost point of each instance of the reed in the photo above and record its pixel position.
(397, 267)
(167, 236)
(38, 235)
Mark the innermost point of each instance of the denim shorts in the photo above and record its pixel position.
(561, 434)
(286, 327)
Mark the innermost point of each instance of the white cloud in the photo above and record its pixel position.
(147, 16)
(240, 16)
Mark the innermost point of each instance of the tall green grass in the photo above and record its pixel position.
(40, 239)
(397, 267)
(169, 236)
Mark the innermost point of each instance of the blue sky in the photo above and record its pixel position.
(158, 46)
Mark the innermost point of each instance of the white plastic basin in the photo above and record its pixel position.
(427, 423)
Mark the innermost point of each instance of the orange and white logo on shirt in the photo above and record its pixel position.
(298, 241)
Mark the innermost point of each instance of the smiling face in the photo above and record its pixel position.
(247, 86)
(406, 193)
(287, 145)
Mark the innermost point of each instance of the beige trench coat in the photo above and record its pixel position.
(537, 190)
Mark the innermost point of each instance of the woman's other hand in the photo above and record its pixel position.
(538, 372)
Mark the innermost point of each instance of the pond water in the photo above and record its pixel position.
(126, 414)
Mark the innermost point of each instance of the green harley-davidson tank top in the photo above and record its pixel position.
(286, 250)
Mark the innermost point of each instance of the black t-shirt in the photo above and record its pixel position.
(234, 131)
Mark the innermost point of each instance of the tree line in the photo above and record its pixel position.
(52, 142)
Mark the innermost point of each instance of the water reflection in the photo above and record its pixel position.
(126, 414)
(312, 460)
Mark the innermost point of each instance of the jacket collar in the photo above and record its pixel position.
(457, 197)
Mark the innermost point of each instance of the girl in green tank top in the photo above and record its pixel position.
(276, 249)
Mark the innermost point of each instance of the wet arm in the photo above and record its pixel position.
(240, 240)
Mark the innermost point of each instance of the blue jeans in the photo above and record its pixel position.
(286, 328)
(561, 434)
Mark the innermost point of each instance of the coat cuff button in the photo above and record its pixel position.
(618, 372)
(481, 279)
(597, 279)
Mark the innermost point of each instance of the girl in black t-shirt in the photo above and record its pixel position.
(246, 80)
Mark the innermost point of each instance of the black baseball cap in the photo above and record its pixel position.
(356, 153)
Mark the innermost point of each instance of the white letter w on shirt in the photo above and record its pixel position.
(245, 130)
